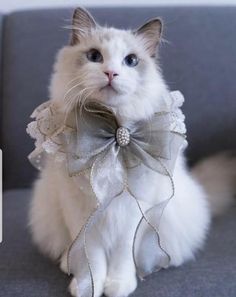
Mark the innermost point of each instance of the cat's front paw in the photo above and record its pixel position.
(73, 288)
(120, 287)
(76, 292)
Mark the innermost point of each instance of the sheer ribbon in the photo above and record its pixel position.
(92, 146)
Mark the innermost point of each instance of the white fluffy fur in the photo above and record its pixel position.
(59, 206)
(218, 176)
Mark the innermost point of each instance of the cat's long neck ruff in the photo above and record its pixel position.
(139, 109)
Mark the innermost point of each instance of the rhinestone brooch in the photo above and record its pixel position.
(122, 136)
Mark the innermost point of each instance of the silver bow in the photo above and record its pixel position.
(110, 151)
(97, 144)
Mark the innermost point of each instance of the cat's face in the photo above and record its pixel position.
(109, 65)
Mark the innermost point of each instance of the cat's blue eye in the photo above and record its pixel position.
(131, 60)
(94, 55)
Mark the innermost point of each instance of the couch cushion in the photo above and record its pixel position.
(199, 60)
(24, 272)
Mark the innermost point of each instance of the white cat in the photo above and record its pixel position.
(118, 68)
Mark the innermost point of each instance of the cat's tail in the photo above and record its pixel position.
(217, 174)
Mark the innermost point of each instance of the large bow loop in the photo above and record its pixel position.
(150, 141)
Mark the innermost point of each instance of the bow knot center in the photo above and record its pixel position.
(122, 136)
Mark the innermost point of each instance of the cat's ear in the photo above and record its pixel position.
(151, 32)
(82, 24)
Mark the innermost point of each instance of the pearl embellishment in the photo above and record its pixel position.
(122, 136)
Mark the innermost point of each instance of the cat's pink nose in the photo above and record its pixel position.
(110, 75)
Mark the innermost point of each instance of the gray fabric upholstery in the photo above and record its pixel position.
(199, 60)
(26, 273)
(23, 271)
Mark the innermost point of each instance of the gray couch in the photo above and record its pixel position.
(200, 60)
